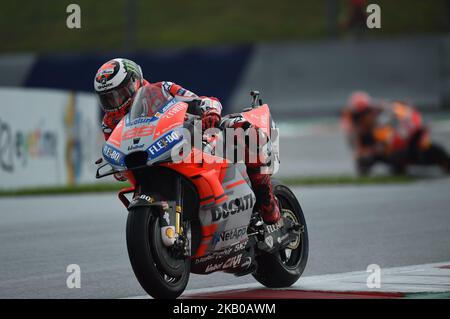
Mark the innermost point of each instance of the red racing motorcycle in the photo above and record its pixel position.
(196, 217)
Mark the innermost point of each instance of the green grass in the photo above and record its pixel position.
(40, 26)
(93, 188)
(347, 180)
(428, 295)
(298, 181)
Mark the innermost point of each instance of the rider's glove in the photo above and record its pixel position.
(120, 177)
(210, 118)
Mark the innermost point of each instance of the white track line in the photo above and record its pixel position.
(408, 279)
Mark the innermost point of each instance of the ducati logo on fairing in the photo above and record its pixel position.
(230, 207)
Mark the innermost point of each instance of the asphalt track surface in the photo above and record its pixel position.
(349, 228)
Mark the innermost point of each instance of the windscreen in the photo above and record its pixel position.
(149, 99)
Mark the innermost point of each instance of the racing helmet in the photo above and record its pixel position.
(359, 101)
(116, 82)
(361, 104)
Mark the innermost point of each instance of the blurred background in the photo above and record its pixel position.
(305, 57)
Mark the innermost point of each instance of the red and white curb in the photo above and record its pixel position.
(428, 280)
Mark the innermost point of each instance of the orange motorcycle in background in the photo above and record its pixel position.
(393, 134)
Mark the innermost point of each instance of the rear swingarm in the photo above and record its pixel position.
(279, 235)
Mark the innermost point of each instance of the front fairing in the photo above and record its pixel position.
(156, 135)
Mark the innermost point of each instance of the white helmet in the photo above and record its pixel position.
(116, 83)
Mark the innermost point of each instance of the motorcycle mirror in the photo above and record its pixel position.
(255, 98)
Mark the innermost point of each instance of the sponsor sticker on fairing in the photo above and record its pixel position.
(168, 105)
(232, 234)
(147, 198)
(240, 246)
(214, 256)
(135, 147)
(141, 120)
(112, 155)
(174, 110)
(213, 267)
(164, 144)
(232, 262)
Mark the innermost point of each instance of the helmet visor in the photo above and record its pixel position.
(117, 98)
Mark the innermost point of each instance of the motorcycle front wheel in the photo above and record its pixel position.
(159, 272)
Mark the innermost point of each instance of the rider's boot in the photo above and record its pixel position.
(266, 202)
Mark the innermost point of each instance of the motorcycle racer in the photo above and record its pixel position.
(116, 83)
(389, 132)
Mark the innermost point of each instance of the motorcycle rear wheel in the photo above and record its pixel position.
(278, 270)
(145, 250)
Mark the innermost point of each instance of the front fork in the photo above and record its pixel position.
(170, 213)
(170, 218)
